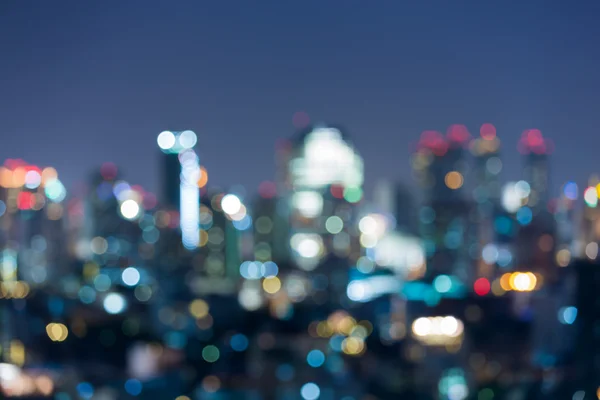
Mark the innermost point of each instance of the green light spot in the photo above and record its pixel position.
(334, 224)
(210, 354)
(353, 194)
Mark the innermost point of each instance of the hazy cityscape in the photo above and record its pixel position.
(305, 287)
(317, 200)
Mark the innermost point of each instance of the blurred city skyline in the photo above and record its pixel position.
(85, 85)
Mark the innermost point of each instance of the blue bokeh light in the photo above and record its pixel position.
(315, 358)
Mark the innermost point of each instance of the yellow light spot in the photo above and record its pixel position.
(203, 180)
(345, 325)
(563, 257)
(271, 285)
(199, 308)
(16, 353)
(323, 329)
(523, 281)
(505, 282)
(57, 332)
(5, 177)
(353, 346)
(532, 280)
(454, 180)
(48, 174)
(18, 177)
(182, 398)
(203, 238)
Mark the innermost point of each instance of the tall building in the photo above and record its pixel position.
(493, 238)
(181, 175)
(31, 246)
(536, 149)
(32, 209)
(320, 182)
(323, 178)
(536, 233)
(440, 167)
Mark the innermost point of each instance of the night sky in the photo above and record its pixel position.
(83, 82)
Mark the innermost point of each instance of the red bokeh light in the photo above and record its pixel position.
(108, 171)
(482, 286)
(25, 200)
(11, 163)
(458, 133)
(487, 131)
(434, 141)
(337, 191)
(532, 141)
(267, 190)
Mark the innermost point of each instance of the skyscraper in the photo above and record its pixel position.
(323, 176)
(486, 194)
(536, 149)
(181, 175)
(535, 237)
(440, 167)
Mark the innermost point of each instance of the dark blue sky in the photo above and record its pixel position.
(82, 82)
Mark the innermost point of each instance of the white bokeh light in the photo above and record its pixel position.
(166, 140)
(422, 326)
(130, 209)
(114, 303)
(307, 246)
(308, 204)
(231, 204)
(511, 197)
(130, 276)
(187, 139)
(328, 159)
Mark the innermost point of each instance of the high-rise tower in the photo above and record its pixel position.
(181, 175)
(440, 167)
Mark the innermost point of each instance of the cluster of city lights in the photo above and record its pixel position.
(446, 330)
(29, 186)
(326, 167)
(345, 334)
(192, 176)
(14, 290)
(236, 211)
(14, 382)
(591, 195)
(519, 282)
